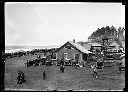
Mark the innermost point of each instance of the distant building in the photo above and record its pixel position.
(92, 39)
(114, 46)
(95, 46)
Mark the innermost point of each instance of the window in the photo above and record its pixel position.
(54, 56)
(76, 56)
(65, 55)
(68, 47)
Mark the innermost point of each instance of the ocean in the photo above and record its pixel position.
(10, 49)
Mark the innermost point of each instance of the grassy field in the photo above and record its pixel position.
(75, 78)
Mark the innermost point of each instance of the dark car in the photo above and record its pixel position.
(60, 62)
(43, 61)
(99, 65)
(30, 63)
(48, 63)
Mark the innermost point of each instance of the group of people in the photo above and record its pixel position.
(21, 77)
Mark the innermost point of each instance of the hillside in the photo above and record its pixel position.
(116, 34)
(109, 31)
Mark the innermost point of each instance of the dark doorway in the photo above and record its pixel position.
(84, 56)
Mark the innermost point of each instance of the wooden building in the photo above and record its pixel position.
(72, 50)
(114, 46)
(95, 46)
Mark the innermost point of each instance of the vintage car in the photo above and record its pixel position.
(100, 65)
(67, 62)
(48, 62)
(74, 62)
(58, 63)
(43, 60)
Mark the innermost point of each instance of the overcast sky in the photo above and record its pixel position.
(54, 24)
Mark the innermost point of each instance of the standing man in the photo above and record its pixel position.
(44, 75)
(23, 77)
(62, 68)
(19, 78)
(95, 69)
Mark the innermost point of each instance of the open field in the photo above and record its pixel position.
(75, 78)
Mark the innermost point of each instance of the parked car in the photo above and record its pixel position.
(43, 60)
(67, 62)
(48, 62)
(100, 65)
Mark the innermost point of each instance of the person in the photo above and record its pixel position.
(23, 77)
(63, 69)
(62, 62)
(20, 77)
(44, 75)
(95, 70)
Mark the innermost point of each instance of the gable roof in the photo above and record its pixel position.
(87, 46)
(76, 45)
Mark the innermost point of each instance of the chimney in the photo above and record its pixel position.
(73, 40)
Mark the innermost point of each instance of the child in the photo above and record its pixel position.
(95, 72)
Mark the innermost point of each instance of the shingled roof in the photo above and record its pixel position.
(78, 46)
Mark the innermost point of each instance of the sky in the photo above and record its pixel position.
(44, 24)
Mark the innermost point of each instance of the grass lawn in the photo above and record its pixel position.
(75, 78)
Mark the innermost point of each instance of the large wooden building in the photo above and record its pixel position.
(72, 50)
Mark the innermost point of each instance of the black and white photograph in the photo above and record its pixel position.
(64, 46)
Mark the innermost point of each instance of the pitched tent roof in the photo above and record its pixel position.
(77, 46)
(95, 44)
